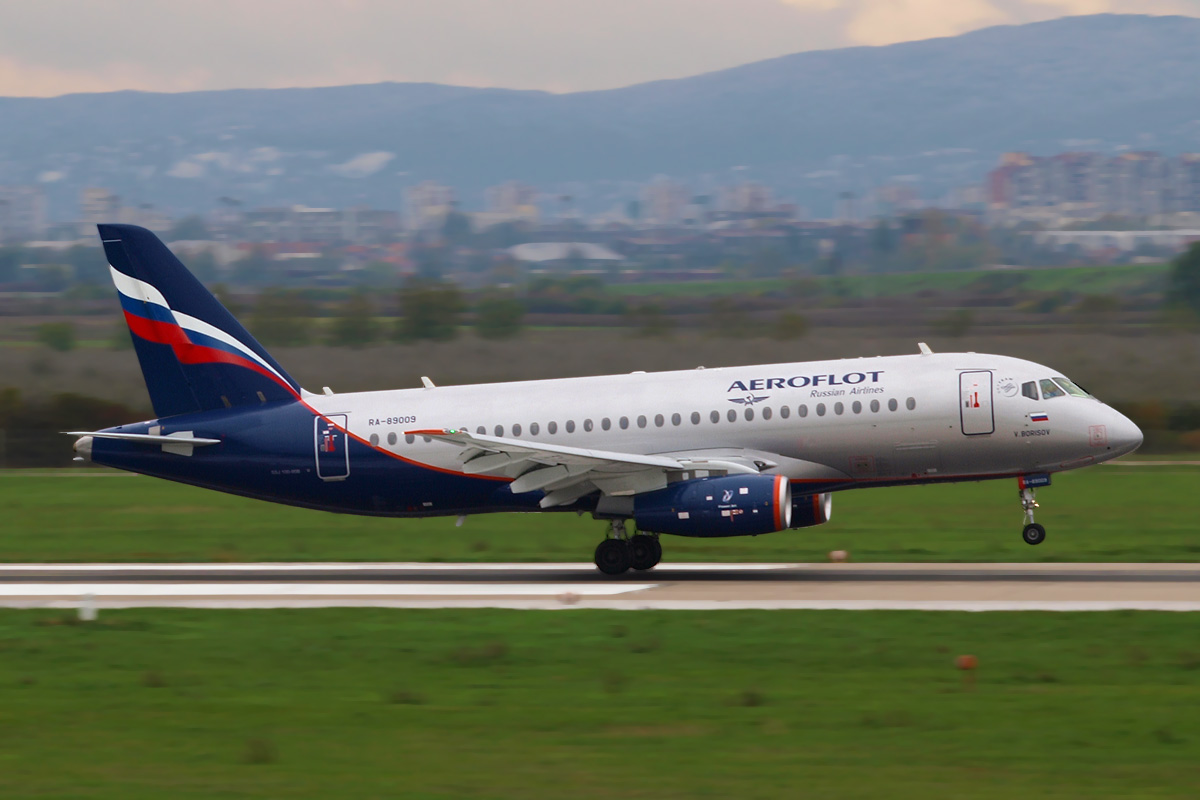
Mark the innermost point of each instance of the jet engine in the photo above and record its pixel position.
(811, 509)
(733, 505)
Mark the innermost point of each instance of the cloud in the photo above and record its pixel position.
(54, 47)
(22, 79)
(889, 21)
(363, 165)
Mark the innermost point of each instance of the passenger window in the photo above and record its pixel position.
(802, 411)
(409, 438)
(838, 408)
(570, 426)
(820, 409)
(1029, 390)
(857, 407)
(605, 423)
(785, 411)
(658, 420)
(641, 421)
(1050, 389)
(749, 414)
(892, 404)
(533, 429)
(392, 437)
(695, 417)
(767, 412)
(552, 427)
(587, 425)
(715, 417)
(910, 403)
(374, 439)
(517, 429)
(874, 406)
(676, 419)
(499, 430)
(624, 423)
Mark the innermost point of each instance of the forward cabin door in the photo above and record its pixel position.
(333, 455)
(975, 403)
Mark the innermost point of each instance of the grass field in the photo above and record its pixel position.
(1106, 513)
(493, 704)
(1085, 280)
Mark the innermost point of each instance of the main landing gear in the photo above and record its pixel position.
(621, 552)
(1033, 532)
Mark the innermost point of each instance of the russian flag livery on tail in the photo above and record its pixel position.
(665, 451)
(195, 356)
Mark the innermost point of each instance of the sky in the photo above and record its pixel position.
(53, 47)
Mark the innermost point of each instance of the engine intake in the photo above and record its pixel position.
(733, 505)
(811, 509)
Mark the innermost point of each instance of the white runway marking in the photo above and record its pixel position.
(331, 590)
(343, 566)
(599, 603)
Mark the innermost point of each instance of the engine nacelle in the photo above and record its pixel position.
(734, 505)
(811, 509)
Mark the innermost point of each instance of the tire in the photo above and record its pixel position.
(1033, 534)
(612, 557)
(644, 552)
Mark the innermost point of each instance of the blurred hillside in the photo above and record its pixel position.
(812, 123)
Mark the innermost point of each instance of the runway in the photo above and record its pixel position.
(696, 587)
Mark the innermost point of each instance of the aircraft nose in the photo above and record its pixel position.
(1123, 436)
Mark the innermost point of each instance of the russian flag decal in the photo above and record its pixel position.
(1039, 416)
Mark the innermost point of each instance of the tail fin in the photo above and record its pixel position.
(195, 356)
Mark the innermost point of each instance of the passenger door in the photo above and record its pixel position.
(333, 454)
(975, 403)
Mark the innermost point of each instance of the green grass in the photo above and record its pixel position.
(1086, 280)
(581, 704)
(1106, 513)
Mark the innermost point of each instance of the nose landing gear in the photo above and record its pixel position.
(1033, 533)
(620, 552)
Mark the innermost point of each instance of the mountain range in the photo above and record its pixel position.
(936, 113)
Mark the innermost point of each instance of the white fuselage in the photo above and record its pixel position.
(895, 419)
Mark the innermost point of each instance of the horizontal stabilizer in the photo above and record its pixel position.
(145, 438)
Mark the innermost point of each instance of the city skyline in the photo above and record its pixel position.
(57, 47)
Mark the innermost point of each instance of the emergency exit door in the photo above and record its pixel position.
(333, 455)
(975, 403)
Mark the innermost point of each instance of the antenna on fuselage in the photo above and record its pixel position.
(924, 348)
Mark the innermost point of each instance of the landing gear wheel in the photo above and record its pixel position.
(644, 552)
(1033, 533)
(612, 556)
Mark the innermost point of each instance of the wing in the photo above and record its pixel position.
(566, 474)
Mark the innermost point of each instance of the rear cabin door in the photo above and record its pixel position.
(333, 456)
(975, 403)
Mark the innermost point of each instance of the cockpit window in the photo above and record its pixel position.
(1071, 387)
(1030, 390)
(1050, 389)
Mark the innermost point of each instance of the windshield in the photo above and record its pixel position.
(1071, 387)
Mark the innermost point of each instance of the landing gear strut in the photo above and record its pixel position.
(621, 552)
(1033, 532)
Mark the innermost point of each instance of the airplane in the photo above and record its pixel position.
(734, 451)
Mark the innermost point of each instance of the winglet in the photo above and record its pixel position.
(924, 348)
(428, 384)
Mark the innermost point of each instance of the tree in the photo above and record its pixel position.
(355, 325)
(429, 310)
(282, 317)
(499, 316)
(1185, 279)
(789, 325)
(189, 229)
(58, 336)
(649, 321)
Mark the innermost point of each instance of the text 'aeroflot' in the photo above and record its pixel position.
(707, 452)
